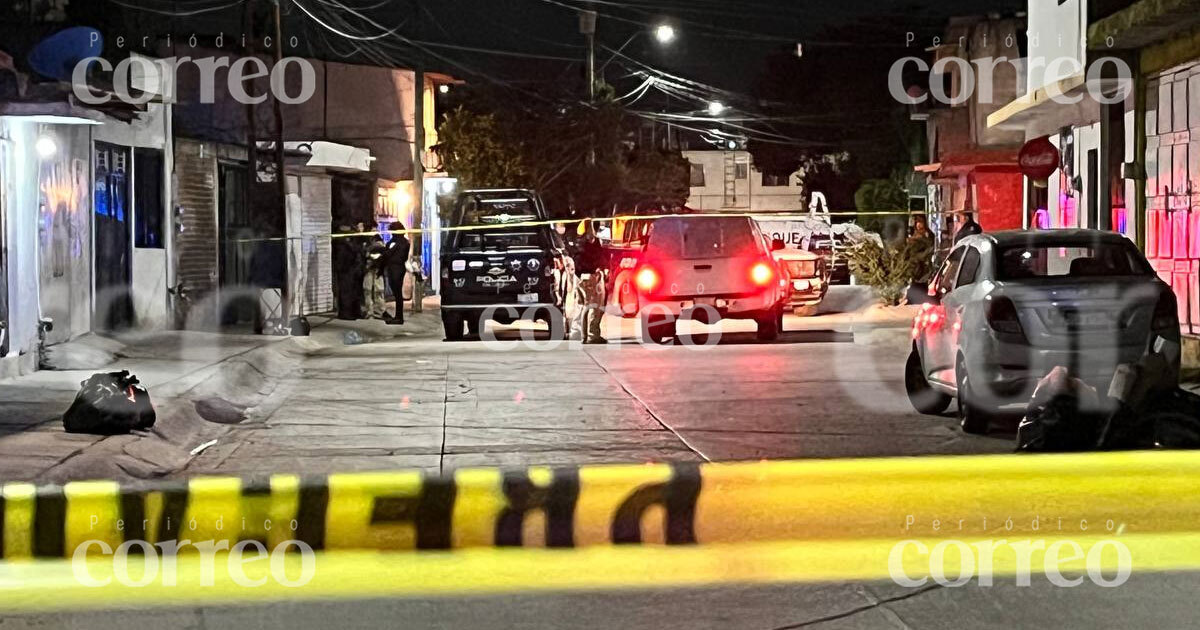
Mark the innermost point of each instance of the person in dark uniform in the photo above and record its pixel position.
(395, 266)
(967, 227)
(591, 264)
(348, 266)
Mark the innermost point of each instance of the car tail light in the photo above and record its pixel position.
(647, 279)
(1002, 316)
(761, 274)
(1166, 313)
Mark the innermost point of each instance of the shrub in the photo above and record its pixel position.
(888, 269)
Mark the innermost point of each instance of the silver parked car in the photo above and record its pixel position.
(1007, 307)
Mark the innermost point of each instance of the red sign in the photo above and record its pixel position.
(1038, 158)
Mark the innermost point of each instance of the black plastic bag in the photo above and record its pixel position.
(110, 403)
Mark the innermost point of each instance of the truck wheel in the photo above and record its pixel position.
(924, 398)
(452, 323)
(769, 325)
(657, 328)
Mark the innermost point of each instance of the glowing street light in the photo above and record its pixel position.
(716, 108)
(46, 147)
(665, 33)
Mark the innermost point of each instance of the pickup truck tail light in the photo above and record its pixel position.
(647, 279)
(761, 274)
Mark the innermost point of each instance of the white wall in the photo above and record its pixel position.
(63, 208)
(750, 195)
(1056, 31)
(20, 180)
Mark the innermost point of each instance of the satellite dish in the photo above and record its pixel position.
(56, 56)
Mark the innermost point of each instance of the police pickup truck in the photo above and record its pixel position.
(503, 261)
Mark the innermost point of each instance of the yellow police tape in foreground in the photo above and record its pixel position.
(911, 520)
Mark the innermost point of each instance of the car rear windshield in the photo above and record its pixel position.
(1070, 260)
(495, 211)
(702, 237)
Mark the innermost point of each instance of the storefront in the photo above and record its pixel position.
(1172, 187)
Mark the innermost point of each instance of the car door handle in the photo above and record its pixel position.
(702, 267)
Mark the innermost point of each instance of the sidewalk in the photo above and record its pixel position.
(169, 363)
(187, 373)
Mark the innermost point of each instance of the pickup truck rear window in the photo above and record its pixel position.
(702, 237)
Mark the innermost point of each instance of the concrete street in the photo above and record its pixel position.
(413, 400)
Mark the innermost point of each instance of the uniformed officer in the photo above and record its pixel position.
(395, 264)
(591, 264)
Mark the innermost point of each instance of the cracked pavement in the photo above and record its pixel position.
(416, 401)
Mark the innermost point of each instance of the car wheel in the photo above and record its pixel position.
(474, 324)
(769, 326)
(924, 398)
(657, 328)
(973, 418)
(452, 323)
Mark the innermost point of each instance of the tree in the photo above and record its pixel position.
(474, 150)
(657, 177)
(878, 195)
(545, 145)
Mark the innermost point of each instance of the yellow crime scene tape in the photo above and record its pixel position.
(488, 530)
(576, 221)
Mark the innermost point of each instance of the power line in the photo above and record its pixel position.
(184, 13)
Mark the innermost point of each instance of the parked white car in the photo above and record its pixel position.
(1007, 307)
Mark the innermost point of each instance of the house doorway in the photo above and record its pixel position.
(113, 220)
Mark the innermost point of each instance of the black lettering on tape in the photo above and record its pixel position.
(49, 522)
(678, 498)
(557, 502)
(430, 512)
(133, 519)
(174, 510)
(259, 489)
(310, 515)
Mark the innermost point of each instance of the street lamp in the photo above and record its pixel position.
(663, 33)
(715, 108)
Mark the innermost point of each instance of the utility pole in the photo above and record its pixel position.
(418, 241)
(281, 176)
(587, 26)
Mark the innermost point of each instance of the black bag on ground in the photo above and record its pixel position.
(110, 403)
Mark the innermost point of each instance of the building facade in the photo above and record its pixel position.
(727, 181)
(972, 167)
(1129, 142)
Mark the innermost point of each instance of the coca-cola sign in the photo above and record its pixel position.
(1038, 159)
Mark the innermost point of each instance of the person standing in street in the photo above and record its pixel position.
(967, 226)
(347, 264)
(395, 264)
(592, 266)
(374, 303)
